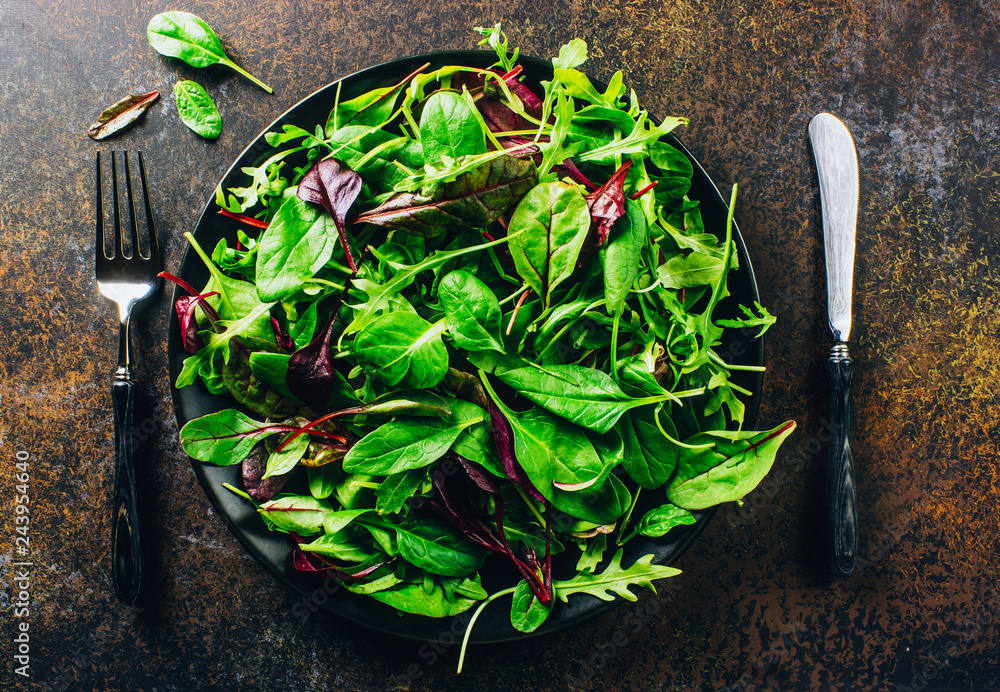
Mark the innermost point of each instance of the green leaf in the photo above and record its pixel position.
(432, 545)
(396, 489)
(283, 461)
(650, 458)
(620, 256)
(582, 395)
(526, 612)
(763, 319)
(404, 443)
(615, 579)
(197, 109)
(725, 472)
(658, 521)
(555, 220)
(403, 349)
(695, 269)
(222, 438)
(449, 127)
(444, 598)
(301, 514)
(298, 241)
(472, 312)
(187, 36)
(572, 54)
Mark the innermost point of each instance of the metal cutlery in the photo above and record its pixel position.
(128, 278)
(837, 169)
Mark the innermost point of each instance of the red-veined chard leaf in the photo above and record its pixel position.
(555, 220)
(334, 186)
(120, 115)
(475, 198)
(607, 203)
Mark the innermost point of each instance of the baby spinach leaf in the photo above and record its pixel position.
(431, 545)
(396, 489)
(403, 349)
(197, 109)
(440, 599)
(404, 443)
(555, 220)
(186, 36)
(615, 579)
(620, 256)
(582, 395)
(727, 471)
(284, 459)
(650, 458)
(449, 127)
(121, 114)
(658, 521)
(527, 613)
(299, 240)
(694, 269)
(471, 310)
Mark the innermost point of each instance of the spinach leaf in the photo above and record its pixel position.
(404, 443)
(658, 521)
(439, 598)
(396, 489)
(584, 396)
(732, 467)
(472, 312)
(186, 36)
(299, 240)
(301, 514)
(431, 545)
(197, 109)
(620, 256)
(449, 127)
(650, 458)
(555, 220)
(403, 349)
(527, 613)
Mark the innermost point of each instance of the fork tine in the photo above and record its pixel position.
(99, 251)
(154, 246)
(131, 211)
(119, 246)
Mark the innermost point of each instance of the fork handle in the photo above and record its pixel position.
(126, 544)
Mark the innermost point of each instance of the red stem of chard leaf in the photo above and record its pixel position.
(644, 190)
(243, 218)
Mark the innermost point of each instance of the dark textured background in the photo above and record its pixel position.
(917, 83)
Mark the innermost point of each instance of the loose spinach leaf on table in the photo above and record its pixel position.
(187, 36)
(197, 109)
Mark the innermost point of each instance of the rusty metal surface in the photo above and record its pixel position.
(917, 84)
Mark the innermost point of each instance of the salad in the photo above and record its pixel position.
(466, 321)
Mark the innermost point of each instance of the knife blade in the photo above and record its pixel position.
(837, 169)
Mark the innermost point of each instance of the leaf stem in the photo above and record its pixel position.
(475, 616)
(230, 63)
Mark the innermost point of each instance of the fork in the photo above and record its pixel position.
(128, 280)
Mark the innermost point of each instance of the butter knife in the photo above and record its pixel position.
(837, 169)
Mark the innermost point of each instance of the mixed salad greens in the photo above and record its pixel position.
(467, 319)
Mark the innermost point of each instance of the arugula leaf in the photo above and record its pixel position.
(615, 579)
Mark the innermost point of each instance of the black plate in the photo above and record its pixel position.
(273, 549)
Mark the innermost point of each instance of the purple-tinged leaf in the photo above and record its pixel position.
(503, 436)
(259, 488)
(283, 340)
(120, 115)
(607, 203)
(186, 318)
(476, 198)
(334, 186)
(310, 369)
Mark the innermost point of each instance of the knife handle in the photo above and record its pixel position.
(126, 546)
(842, 505)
